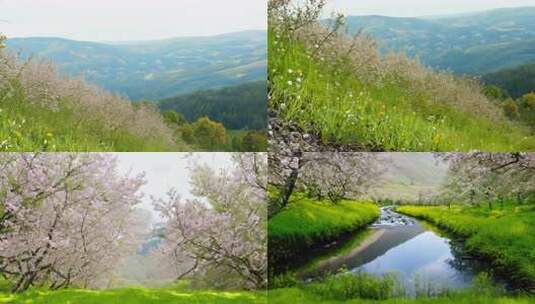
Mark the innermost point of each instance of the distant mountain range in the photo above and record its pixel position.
(156, 69)
(476, 43)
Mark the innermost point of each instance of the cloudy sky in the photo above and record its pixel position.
(411, 8)
(122, 20)
(167, 170)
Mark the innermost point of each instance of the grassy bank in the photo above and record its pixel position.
(503, 236)
(364, 100)
(131, 296)
(297, 295)
(305, 223)
(365, 288)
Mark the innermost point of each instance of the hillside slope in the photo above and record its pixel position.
(156, 69)
(344, 91)
(242, 107)
(475, 43)
(40, 111)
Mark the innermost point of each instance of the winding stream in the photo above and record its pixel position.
(398, 244)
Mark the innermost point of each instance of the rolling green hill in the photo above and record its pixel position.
(238, 107)
(156, 69)
(475, 43)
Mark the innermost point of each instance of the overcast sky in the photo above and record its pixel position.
(412, 8)
(123, 20)
(167, 170)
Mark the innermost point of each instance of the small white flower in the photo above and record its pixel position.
(290, 82)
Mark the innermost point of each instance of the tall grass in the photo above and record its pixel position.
(41, 111)
(365, 288)
(503, 236)
(345, 91)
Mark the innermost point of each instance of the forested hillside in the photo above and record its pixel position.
(242, 107)
(515, 81)
(475, 43)
(156, 69)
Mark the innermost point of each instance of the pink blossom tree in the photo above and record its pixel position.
(340, 175)
(223, 230)
(480, 176)
(64, 218)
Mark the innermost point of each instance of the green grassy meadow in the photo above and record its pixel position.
(132, 296)
(26, 126)
(332, 100)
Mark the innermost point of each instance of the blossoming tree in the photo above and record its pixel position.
(64, 218)
(223, 230)
(490, 176)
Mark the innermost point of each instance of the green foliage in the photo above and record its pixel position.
(331, 100)
(516, 81)
(253, 141)
(495, 92)
(173, 118)
(511, 109)
(501, 235)
(132, 296)
(209, 134)
(156, 69)
(239, 107)
(526, 106)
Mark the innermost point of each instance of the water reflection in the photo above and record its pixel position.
(426, 257)
(400, 245)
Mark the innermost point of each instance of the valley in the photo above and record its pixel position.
(449, 247)
(154, 70)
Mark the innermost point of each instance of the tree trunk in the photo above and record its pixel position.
(286, 190)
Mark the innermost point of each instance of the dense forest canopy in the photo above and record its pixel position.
(239, 107)
(516, 81)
